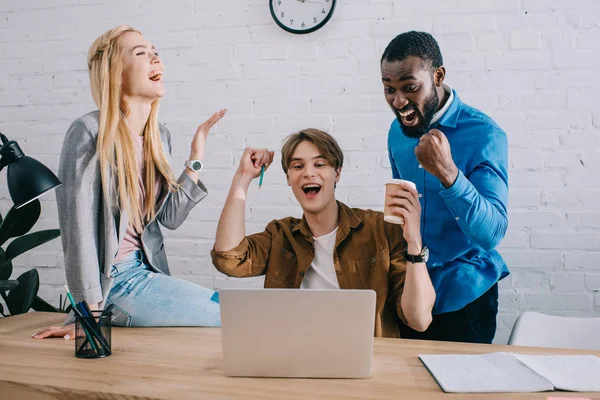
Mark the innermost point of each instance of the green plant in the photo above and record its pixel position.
(20, 295)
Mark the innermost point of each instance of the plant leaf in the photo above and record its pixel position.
(5, 267)
(19, 221)
(27, 242)
(21, 298)
(40, 304)
(8, 285)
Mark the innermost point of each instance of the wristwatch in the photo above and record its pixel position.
(422, 257)
(194, 165)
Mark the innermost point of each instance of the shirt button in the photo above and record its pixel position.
(302, 274)
(420, 195)
(283, 250)
(457, 218)
(373, 260)
(420, 166)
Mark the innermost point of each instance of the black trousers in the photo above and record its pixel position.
(474, 323)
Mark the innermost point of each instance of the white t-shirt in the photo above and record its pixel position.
(321, 274)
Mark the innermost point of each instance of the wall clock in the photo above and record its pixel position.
(301, 16)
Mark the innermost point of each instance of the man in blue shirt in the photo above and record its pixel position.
(457, 156)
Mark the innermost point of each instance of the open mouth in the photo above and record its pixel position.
(311, 189)
(155, 76)
(409, 117)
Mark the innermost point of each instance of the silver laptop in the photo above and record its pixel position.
(297, 333)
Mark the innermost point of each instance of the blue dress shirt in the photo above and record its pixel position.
(461, 225)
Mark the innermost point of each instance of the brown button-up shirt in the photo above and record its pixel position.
(368, 254)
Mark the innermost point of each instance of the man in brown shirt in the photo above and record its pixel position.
(332, 246)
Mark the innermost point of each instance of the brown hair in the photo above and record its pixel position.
(327, 145)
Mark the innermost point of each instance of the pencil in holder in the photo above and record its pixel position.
(92, 335)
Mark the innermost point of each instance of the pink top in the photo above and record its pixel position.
(132, 240)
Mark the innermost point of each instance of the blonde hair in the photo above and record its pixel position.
(115, 146)
(325, 143)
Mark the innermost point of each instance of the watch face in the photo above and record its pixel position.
(425, 254)
(301, 16)
(196, 165)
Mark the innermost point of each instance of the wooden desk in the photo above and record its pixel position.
(185, 363)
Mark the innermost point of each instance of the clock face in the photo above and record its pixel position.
(301, 16)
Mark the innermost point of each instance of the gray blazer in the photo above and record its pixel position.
(91, 227)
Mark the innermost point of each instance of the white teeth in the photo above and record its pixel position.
(406, 113)
(154, 73)
(311, 186)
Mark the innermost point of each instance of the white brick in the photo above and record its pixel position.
(491, 6)
(519, 60)
(572, 200)
(534, 179)
(174, 40)
(554, 301)
(537, 219)
(535, 281)
(516, 238)
(370, 11)
(567, 282)
(565, 240)
(583, 177)
(14, 98)
(463, 24)
(426, 7)
(490, 41)
(580, 139)
(583, 220)
(509, 300)
(563, 159)
(579, 99)
(575, 59)
(524, 197)
(464, 61)
(525, 40)
(272, 69)
(582, 260)
(590, 159)
(337, 67)
(526, 159)
(592, 282)
(558, 121)
(549, 259)
(537, 5)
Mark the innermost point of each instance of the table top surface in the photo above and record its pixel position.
(185, 363)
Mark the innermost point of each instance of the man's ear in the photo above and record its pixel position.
(287, 178)
(338, 172)
(439, 75)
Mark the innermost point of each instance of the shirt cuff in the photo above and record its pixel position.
(458, 188)
(196, 191)
(238, 251)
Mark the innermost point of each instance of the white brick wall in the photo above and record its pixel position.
(531, 64)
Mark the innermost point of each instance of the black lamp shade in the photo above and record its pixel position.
(28, 179)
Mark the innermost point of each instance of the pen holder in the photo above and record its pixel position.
(92, 335)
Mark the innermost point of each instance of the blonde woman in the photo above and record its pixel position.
(117, 186)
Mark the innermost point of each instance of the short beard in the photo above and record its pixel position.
(429, 109)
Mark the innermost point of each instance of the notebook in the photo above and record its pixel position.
(510, 372)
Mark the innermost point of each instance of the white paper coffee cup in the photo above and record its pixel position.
(387, 215)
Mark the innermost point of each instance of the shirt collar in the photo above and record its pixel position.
(439, 113)
(348, 220)
(448, 114)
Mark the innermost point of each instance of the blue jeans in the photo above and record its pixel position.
(142, 297)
